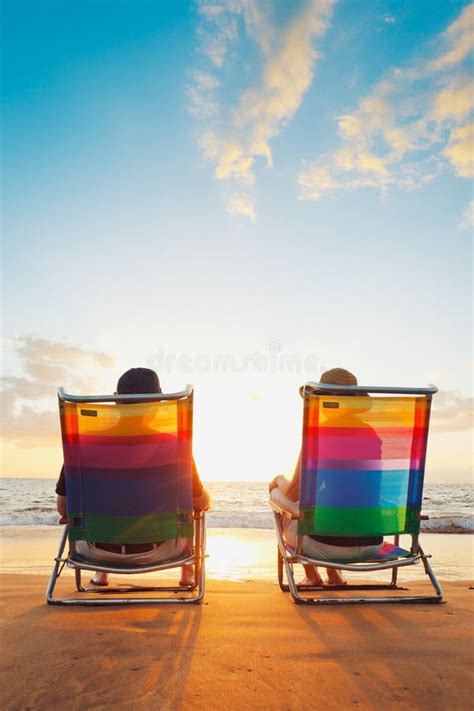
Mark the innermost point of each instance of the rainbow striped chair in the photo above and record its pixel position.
(128, 467)
(362, 469)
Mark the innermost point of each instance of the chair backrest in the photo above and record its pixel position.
(363, 460)
(128, 466)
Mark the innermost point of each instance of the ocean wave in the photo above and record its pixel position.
(436, 524)
(30, 518)
(236, 519)
(448, 524)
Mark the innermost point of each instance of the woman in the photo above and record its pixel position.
(285, 493)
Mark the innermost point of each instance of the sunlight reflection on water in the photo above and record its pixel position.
(233, 553)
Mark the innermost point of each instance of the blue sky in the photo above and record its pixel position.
(234, 177)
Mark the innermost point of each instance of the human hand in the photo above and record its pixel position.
(202, 502)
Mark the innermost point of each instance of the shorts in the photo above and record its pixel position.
(164, 551)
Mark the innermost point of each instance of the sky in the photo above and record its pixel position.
(239, 194)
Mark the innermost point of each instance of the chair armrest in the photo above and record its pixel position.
(280, 510)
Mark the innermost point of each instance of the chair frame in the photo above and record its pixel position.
(196, 558)
(287, 558)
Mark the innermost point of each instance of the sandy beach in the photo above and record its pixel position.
(247, 646)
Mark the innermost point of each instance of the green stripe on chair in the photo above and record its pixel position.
(130, 529)
(412, 524)
(356, 521)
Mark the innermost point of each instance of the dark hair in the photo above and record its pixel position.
(138, 380)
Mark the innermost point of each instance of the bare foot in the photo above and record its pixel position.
(312, 575)
(314, 581)
(187, 576)
(334, 577)
(100, 579)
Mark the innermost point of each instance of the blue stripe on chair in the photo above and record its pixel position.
(361, 489)
(308, 480)
(415, 487)
(135, 492)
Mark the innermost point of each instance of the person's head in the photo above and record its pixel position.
(338, 376)
(138, 381)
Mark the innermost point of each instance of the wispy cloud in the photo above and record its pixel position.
(458, 40)
(233, 134)
(415, 124)
(219, 29)
(460, 150)
(45, 365)
(467, 222)
(200, 94)
(241, 205)
(452, 412)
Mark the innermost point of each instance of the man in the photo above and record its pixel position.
(136, 381)
(286, 494)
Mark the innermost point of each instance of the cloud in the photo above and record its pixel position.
(414, 125)
(45, 365)
(455, 102)
(317, 180)
(460, 150)
(467, 221)
(32, 428)
(388, 19)
(240, 204)
(459, 41)
(201, 104)
(234, 134)
(452, 412)
(219, 30)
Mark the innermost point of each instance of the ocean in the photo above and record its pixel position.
(241, 505)
(241, 543)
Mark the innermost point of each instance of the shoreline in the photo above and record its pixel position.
(238, 554)
(248, 643)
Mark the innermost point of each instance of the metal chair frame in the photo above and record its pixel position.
(287, 559)
(196, 559)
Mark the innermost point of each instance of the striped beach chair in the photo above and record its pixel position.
(362, 469)
(128, 468)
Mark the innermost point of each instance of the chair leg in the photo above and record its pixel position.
(430, 573)
(79, 587)
(57, 568)
(199, 565)
(396, 541)
(202, 581)
(280, 571)
(394, 577)
(281, 580)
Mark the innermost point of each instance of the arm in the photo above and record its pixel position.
(61, 501)
(201, 498)
(61, 505)
(290, 489)
(293, 490)
(278, 488)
